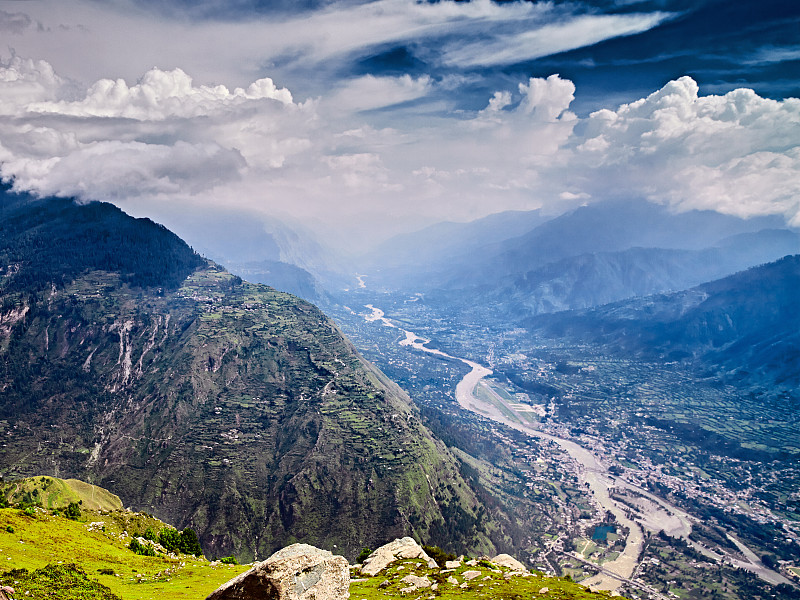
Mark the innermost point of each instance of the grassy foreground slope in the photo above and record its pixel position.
(97, 546)
(53, 493)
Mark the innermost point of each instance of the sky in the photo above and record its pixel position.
(359, 119)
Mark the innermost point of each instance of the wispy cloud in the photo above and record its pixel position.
(574, 32)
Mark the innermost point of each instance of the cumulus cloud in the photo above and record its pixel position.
(163, 135)
(24, 81)
(160, 95)
(736, 153)
(167, 139)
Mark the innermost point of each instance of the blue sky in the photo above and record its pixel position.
(372, 117)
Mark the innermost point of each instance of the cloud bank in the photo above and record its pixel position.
(166, 140)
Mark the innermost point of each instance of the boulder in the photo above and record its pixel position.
(452, 564)
(297, 572)
(398, 549)
(504, 560)
(470, 575)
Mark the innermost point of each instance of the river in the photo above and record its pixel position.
(591, 471)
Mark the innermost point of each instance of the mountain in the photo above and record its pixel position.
(284, 277)
(744, 327)
(612, 226)
(413, 257)
(599, 278)
(128, 361)
(590, 256)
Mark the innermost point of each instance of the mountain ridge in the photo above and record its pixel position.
(227, 406)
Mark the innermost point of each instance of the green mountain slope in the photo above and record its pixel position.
(228, 407)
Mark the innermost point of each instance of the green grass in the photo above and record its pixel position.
(54, 493)
(45, 539)
(489, 585)
(89, 560)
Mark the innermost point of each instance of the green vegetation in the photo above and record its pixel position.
(58, 494)
(141, 549)
(493, 583)
(439, 555)
(230, 408)
(98, 546)
(62, 581)
(362, 556)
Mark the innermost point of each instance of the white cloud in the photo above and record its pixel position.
(736, 153)
(23, 81)
(88, 40)
(370, 92)
(168, 139)
(551, 38)
(160, 95)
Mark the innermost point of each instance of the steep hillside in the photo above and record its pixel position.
(225, 406)
(746, 325)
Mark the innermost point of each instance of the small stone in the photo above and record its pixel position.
(452, 580)
(416, 582)
(452, 564)
(464, 586)
(544, 590)
(469, 575)
(472, 563)
(383, 584)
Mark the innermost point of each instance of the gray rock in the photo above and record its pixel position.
(416, 582)
(468, 575)
(452, 564)
(504, 560)
(393, 551)
(297, 572)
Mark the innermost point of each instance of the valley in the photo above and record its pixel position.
(624, 424)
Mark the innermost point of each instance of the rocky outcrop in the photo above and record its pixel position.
(297, 572)
(509, 562)
(398, 549)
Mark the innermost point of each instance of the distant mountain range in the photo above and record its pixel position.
(745, 327)
(129, 361)
(487, 271)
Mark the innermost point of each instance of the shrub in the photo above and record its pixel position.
(185, 542)
(189, 544)
(439, 555)
(170, 539)
(229, 560)
(362, 556)
(10, 529)
(138, 548)
(73, 511)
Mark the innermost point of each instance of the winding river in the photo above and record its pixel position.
(591, 471)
